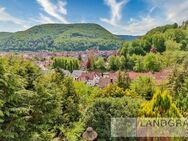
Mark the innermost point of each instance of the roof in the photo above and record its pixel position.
(77, 73)
(158, 76)
(67, 73)
(103, 82)
(87, 76)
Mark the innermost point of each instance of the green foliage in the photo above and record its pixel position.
(112, 63)
(152, 62)
(130, 48)
(158, 41)
(176, 35)
(158, 38)
(123, 80)
(34, 105)
(172, 45)
(149, 62)
(99, 64)
(66, 63)
(112, 91)
(75, 133)
(116, 63)
(161, 105)
(144, 86)
(172, 58)
(87, 94)
(138, 64)
(178, 83)
(162, 29)
(4, 35)
(70, 104)
(99, 115)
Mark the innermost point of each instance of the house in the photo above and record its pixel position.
(67, 73)
(107, 78)
(159, 77)
(90, 78)
(41, 66)
(103, 82)
(83, 65)
(76, 74)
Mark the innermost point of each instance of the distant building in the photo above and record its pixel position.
(76, 74)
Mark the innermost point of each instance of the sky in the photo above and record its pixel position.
(125, 17)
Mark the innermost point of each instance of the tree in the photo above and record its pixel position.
(15, 108)
(90, 63)
(152, 62)
(145, 44)
(139, 64)
(184, 45)
(99, 114)
(112, 91)
(172, 45)
(144, 86)
(66, 63)
(14, 102)
(100, 63)
(161, 105)
(112, 63)
(86, 93)
(46, 107)
(22, 103)
(124, 50)
(176, 35)
(42, 111)
(122, 62)
(123, 80)
(158, 42)
(69, 102)
(177, 84)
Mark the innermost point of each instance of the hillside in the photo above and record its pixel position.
(127, 37)
(172, 37)
(4, 35)
(58, 37)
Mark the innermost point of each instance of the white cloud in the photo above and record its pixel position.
(115, 8)
(168, 12)
(141, 26)
(177, 11)
(57, 11)
(173, 10)
(6, 17)
(45, 19)
(133, 26)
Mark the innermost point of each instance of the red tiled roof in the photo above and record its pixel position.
(158, 76)
(103, 82)
(87, 76)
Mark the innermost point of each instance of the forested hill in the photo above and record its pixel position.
(4, 35)
(127, 37)
(172, 37)
(58, 37)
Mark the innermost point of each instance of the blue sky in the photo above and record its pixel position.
(134, 17)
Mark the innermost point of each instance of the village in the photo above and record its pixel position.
(93, 78)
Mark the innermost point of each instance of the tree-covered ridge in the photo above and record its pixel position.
(66, 30)
(160, 39)
(128, 37)
(4, 35)
(59, 37)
